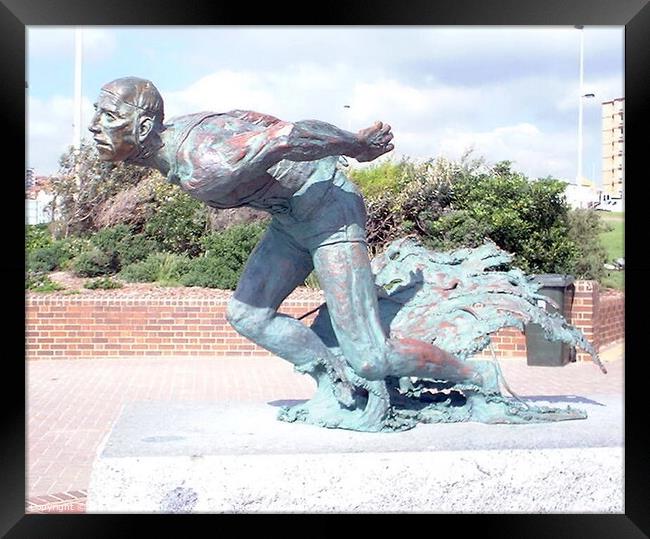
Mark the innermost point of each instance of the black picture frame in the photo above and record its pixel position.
(16, 15)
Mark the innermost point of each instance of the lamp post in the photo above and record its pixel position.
(580, 101)
(348, 114)
(78, 41)
(582, 54)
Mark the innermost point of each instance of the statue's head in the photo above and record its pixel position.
(128, 118)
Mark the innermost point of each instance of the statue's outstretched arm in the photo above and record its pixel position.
(254, 152)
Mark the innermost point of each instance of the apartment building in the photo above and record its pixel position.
(613, 147)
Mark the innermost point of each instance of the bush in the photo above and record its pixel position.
(164, 268)
(103, 283)
(456, 229)
(210, 272)
(84, 182)
(43, 259)
(225, 256)
(56, 255)
(451, 205)
(179, 222)
(585, 228)
(37, 237)
(379, 179)
(121, 246)
(93, 263)
(39, 282)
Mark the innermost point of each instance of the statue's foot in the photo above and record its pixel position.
(330, 375)
(342, 387)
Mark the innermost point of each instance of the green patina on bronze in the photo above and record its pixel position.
(383, 361)
(454, 300)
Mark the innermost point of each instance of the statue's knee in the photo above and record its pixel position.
(246, 320)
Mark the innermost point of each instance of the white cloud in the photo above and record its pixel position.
(53, 43)
(50, 131)
(532, 151)
(221, 91)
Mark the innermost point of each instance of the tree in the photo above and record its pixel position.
(83, 182)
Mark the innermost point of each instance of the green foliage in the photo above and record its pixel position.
(102, 283)
(40, 282)
(225, 256)
(43, 259)
(585, 230)
(450, 205)
(612, 237)
(455, 229)
(163, 268)
(84, 182)
(312, 281)
(37, 237)
(56, 255)
(93, 263)
(526, 218)
(614, 279)
(379, 179)
(421, 194)
(210, 272)
(179, 222)
(122, 246)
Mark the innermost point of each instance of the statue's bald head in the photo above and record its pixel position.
(139, 93)
(128, 120)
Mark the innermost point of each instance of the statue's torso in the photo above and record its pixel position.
(200, 159)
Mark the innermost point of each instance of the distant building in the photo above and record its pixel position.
(614, 148)
(584, 195)
(38, 199)
(29, 178)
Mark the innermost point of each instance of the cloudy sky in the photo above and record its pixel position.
(506, 92)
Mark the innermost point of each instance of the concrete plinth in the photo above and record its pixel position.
(237, 458)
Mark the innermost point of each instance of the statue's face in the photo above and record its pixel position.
(115, 127)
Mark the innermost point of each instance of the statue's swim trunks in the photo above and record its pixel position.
(323, 213)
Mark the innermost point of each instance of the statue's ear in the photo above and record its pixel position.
(145, 127)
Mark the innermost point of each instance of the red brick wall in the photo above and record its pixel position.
(91, 326)
(113, 325)
(611, 325)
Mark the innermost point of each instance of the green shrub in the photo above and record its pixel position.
(102, 283)
(121, 246)
(235, 244)
(37, 237)
(54, 256)
(93, 263)
(164, 268)
(71, 247)
(225, 256)
(179, 222)
(380, 178)
(585, 230)
(210, 272)
(312, 281)
(43, 259)
(454, 230)
(40, 282)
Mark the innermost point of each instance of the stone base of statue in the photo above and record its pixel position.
(173, 457)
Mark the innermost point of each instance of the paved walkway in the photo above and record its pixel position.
(72, 404)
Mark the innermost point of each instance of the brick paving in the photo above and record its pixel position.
(71, 404)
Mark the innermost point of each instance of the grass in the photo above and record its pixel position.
(613, 241)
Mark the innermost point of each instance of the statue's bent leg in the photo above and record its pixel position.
(275, 268)
(345, 276)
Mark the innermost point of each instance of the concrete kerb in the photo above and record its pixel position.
(165, 457)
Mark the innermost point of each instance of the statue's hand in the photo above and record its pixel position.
(376, 141)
